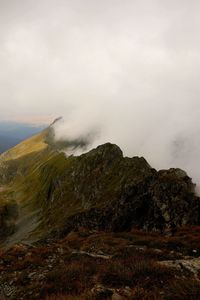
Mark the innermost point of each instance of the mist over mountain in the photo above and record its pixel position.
(103, 203)
(164, 142)
(129, 70)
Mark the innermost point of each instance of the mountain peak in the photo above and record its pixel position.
(107, 151)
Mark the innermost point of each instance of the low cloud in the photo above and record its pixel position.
(120, 71)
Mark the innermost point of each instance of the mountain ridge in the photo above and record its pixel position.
(52, 194)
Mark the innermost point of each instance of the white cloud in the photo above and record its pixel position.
(131, 68)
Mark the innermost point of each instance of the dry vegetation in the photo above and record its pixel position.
(31, 145)
(98, 265)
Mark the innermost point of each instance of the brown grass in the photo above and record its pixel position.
(134, 263)
(72, 279)
(134, 271)
(183, 289)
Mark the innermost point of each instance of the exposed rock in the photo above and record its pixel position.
(190, 265)
(122, 294)
(119, 193)
(101, 291)
(95, 255)
(117, 296)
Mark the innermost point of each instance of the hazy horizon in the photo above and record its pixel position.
(33, 120)
(126, 70)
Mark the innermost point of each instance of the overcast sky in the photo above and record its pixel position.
(129, 68)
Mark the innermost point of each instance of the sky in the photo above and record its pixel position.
(127, 70)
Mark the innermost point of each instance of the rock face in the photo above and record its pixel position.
(192, 265)
(129, 193)
(102, 190)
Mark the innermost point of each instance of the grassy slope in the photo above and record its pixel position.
(29, 146)
(29, 175)
(18, 172)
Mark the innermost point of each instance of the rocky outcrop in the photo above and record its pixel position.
(191, 265)
(118, 193)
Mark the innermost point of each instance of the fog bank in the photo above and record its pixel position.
(120, 71)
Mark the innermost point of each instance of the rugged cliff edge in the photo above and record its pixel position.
(101, 189)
